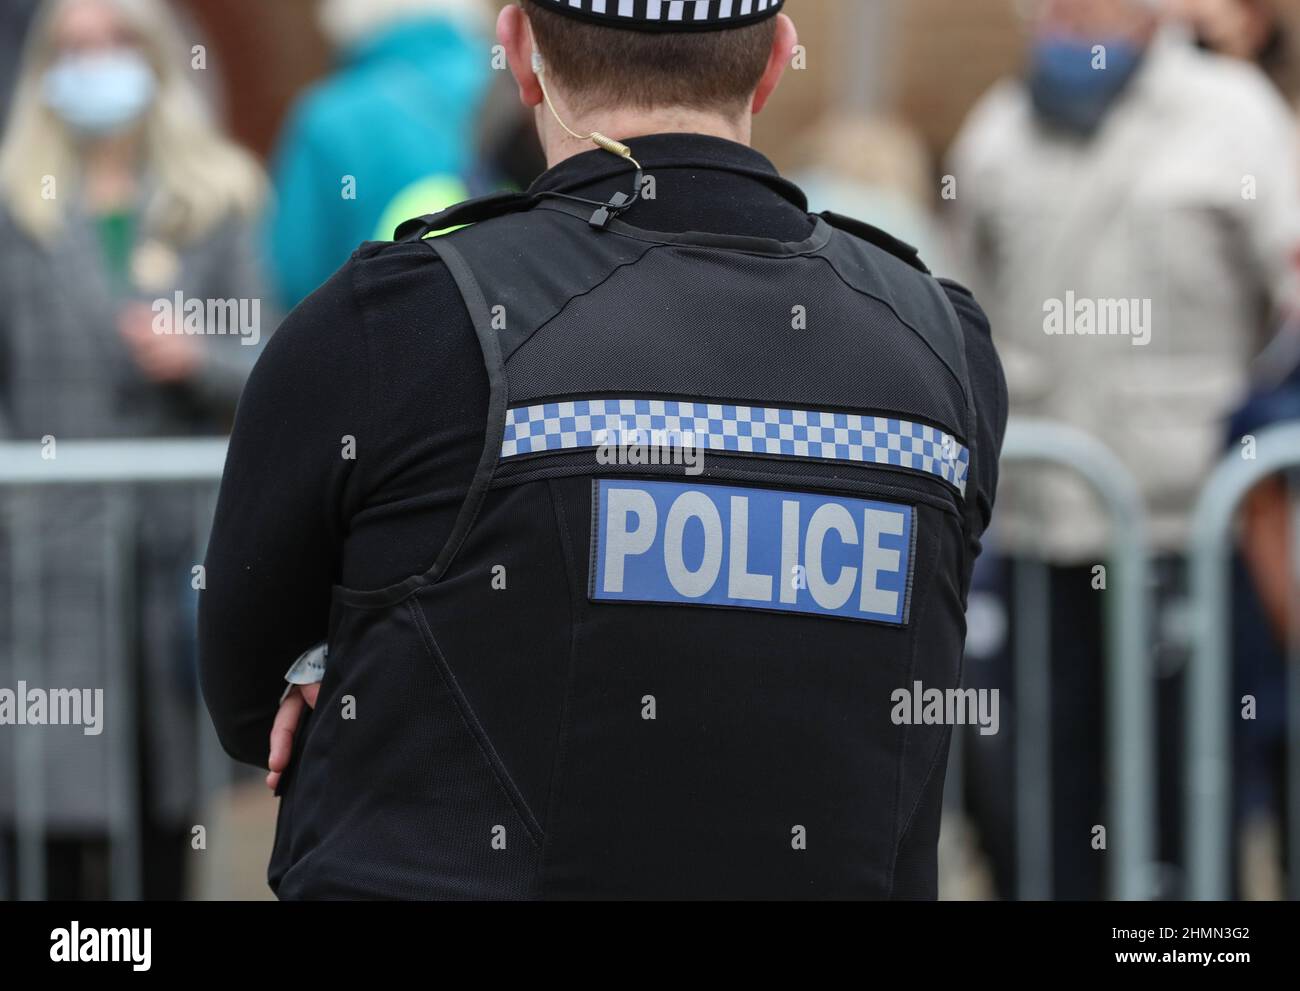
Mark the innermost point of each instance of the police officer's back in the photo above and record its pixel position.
(624, 516)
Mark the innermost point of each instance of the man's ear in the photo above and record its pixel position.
(516, 36)
(783, 45)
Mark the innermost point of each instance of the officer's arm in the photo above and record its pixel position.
(288, 485)
(990, 387)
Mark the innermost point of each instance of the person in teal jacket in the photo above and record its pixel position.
(402, 106)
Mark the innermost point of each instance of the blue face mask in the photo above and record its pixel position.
(1068, 92)
(101, 92)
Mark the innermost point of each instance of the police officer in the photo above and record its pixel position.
(625, 510)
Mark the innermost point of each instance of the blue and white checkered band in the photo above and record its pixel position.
(770, 432)
(668, 15)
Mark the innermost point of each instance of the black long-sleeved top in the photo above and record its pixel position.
(360, 429)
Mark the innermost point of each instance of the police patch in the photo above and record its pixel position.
(678, 543)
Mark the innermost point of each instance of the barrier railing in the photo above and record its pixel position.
(1130, 731)
(114, 467)
(1208, 748)
(1130, 752)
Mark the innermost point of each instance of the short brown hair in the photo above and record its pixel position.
(604, 67)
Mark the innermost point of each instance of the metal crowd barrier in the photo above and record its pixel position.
(1210, 701)
(1130, 732)
(115, 467)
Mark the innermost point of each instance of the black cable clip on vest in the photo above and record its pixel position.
(618, 204)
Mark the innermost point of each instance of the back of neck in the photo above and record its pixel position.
(629, 126)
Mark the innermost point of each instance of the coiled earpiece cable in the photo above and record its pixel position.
(619, 202)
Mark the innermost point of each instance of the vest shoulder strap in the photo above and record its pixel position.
(469, 212)
(874, 235)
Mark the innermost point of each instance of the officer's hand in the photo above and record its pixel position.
(285, 726)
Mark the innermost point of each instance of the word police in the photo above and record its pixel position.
(714, 545)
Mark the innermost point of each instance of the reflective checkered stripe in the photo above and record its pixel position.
(669, 12)
(772, 432)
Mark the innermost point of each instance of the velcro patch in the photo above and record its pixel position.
(681, 543)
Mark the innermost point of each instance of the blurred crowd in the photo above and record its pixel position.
(1145, 155)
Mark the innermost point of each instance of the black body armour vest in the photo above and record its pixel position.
(719, 521)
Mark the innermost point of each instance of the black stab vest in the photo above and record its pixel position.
(719, 520)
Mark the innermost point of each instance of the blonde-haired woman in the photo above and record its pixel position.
(130, 306)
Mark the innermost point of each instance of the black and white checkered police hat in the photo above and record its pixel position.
(667, 15)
